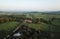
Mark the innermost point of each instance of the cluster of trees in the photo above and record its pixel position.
(3, 20)
(7, 18)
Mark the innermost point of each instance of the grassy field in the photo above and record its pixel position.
(41, 26)
(8, 26)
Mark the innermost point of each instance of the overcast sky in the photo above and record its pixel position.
(29, 5)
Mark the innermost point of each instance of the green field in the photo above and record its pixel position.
(43, 26)
(8, 26)
(40, 26)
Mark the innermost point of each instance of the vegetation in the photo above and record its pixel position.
(39, 22)
(8, 26)
(41, 26)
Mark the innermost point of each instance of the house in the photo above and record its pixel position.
(28, 21)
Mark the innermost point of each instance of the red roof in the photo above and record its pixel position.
(28, 21)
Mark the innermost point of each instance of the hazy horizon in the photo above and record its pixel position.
(29, 5)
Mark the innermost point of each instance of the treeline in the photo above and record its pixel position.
(20, 18)
(8, 18)
(3, 20)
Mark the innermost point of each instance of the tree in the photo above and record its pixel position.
(1, 20)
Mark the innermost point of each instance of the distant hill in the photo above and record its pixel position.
(28, 12)
(52, 12)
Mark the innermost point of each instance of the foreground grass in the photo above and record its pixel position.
(8, 26)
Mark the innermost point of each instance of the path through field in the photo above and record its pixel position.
(15, 32)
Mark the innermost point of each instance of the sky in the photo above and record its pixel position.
(30, 5)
